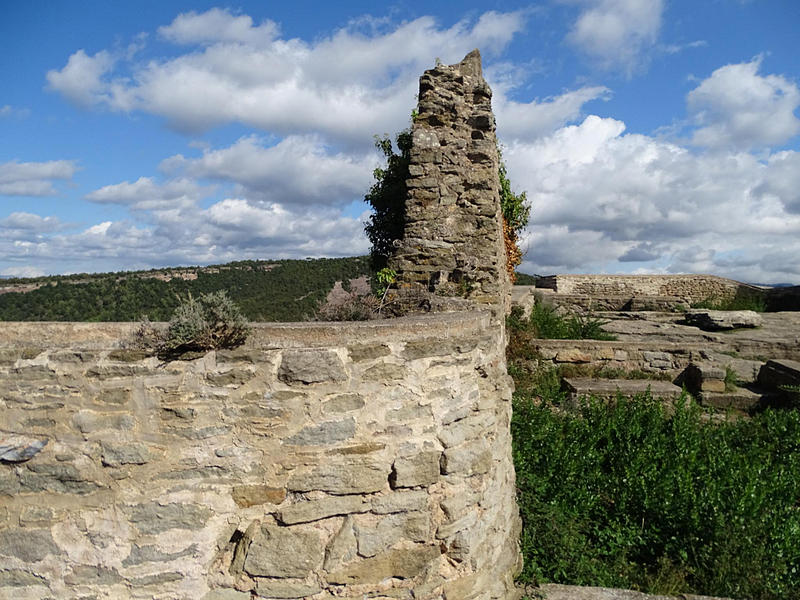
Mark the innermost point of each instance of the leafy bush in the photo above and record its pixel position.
(210, 322)
(545, 322)
(626, 495)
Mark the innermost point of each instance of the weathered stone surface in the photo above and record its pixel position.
(362, 352)
(284, 552)
(33, 546)
(92, 575)
(55, 477)
(252, 495)
(270, 588)
(343, 547)
(342, 403)
(718, 320)
(157, 518)
(311, 366)
(403, 563)
(346, 475)
(470, 458)
(115, 455)
(377, 537)
(416, 470)
(20, 578)
(151, 553)
(400, 501)
(324, 434)
(314, 510)
(573, 356)
(19, 448)
(226, 594)
(155, 579)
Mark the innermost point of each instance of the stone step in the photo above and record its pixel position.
(628, 388)
(742, 398)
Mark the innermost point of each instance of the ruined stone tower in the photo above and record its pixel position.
(453, 239)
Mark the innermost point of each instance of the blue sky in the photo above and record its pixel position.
(652, 136)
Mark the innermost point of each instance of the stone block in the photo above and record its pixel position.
(18, 578)
(324, 434)
(403, 563)
(15, 448)
(284, 552)
(92, 575)
(150, 553)
(311, 366)
(314, 510)
(720, 320)
(342, 403)
(573, 355)
(28, 545)
(270, 588)
(400, 501)
(246, 496)
(417, 470)
(115, 454)
(226, 594)
(374, 537)
(362, 352)
(342, 475)
(470, 458)
(151, 518)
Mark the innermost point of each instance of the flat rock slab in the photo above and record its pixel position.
(720, 320)
(609, 388)
(738, 399)
(554, 591)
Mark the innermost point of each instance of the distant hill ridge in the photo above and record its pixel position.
(266, 290)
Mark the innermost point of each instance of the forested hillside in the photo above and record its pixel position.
(281, 290)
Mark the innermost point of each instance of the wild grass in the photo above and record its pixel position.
(742, 302)
(545, 322)
(630, 495)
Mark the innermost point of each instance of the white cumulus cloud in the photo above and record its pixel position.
(738, 108)
(617, 34)
(34, 178)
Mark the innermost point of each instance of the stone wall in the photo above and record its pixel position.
(453, 240)
(686, 288)
(318, 461)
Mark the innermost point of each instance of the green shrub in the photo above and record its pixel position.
(546, 323)
(740, 302)
(627, 494)
(210, 322)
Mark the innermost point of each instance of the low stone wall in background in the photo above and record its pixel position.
(317, 461)
(687, 288)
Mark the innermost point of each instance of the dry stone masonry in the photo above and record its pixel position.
(318, 461)
(453, 239)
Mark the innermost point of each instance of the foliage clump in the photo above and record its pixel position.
(210, 322)
(628, 494)
(752, 302)
(387, 197)
(545, 322)
(516, 213)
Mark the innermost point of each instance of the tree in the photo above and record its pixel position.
(387, 197)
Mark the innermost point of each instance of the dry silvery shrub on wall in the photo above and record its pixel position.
(210, 322)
